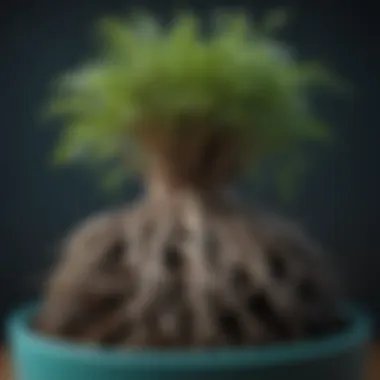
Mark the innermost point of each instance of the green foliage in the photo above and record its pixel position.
(238, 75)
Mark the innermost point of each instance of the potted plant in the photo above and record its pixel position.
(186, 268)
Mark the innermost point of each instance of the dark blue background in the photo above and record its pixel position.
(338, 199)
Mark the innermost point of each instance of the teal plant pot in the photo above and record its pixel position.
(337, 357)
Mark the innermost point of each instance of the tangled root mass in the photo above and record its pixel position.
(188, 271)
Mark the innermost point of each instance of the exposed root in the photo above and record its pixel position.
(184, 270)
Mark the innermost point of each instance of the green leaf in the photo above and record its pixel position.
(239, 76)
(288, 175)
(113, 179)
(275, 20)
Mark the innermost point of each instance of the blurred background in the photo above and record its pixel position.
(337, 201)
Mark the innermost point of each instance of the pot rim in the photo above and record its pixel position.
(356, 335)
